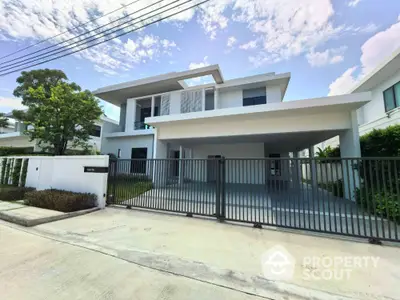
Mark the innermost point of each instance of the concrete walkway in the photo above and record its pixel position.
(219, 254)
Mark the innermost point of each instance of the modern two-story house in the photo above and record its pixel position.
(161, 117)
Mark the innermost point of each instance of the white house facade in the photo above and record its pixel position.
(384, 108)
(161, 118)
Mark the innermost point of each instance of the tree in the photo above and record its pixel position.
(60, 113)
(3, 121)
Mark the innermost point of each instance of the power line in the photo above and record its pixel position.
(69, 30)
(119, 35)
(85, 40)
(7, 63)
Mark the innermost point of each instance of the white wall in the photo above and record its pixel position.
(111, 145)
(238, 171)
(18, 141)
(215, 127)
(230, 98)
(375, 109)
(67, 173)
(274, 94)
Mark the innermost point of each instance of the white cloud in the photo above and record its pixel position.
(104, 70)
(249, 45)
(327, 57)
(343, 83)
(231, 41)
(9, 104)
(202, 64)
(42, 19)
(353, 3)
(374, 51)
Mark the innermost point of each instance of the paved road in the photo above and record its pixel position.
(34, 267)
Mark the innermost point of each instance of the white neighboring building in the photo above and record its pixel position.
(161, 117)
(384, 108)
(13, 136)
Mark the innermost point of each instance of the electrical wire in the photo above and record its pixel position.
(6, 63)
(69, 30)
(119, 35)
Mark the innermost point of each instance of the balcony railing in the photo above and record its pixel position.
(141, 126)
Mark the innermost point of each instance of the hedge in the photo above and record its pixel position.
(11, 193)
(60, 200)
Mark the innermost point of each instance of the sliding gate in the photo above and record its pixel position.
(352, 196)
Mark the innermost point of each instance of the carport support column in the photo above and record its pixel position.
(350, 148)
(181, 164)
(313, 168)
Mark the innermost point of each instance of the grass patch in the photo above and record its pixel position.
(125, 190)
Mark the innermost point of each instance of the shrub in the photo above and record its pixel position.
(16, 172)
(6, 151)
(384, 205)
(10, 193)
(60, 200)
(336, 188)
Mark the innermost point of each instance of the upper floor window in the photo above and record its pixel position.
(391, 97)
(254, 96)
(96, 131)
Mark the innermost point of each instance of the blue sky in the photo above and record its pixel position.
(327, 45)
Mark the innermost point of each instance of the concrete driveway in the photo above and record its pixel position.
(36, 266)
(119, 252)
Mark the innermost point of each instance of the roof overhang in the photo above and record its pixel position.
(385, 70)
(117, 94)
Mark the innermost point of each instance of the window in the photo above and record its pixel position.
(391, 97)
(96, 131)
(254, 96)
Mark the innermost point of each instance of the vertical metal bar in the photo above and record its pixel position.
(397, 194)
(365, 184)
(385, 199)
(355, 189)
(391, 193)
(218, 189)
(344, 166)
(330, 199)
(380, 197)
(371, 177)
(317, 194)
(328, 195)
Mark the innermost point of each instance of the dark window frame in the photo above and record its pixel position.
(96, 130)
(396, 102)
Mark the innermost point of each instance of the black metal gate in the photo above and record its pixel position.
(352, 196)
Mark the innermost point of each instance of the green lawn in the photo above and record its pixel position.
(125, 190)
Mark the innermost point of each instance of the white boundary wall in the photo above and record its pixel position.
(67, 173)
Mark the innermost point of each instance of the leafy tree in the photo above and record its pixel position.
(3, 121)
(60, 113)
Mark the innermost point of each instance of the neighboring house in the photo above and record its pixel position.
(384, 108)
(161, 117)
(13, 135)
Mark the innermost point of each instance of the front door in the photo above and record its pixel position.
(139, 160)
(175, 163)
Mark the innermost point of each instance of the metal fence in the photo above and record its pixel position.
(352, 196)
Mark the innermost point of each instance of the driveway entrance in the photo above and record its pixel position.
(292, 202)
